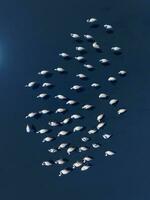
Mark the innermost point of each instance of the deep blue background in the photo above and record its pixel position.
(32, 33)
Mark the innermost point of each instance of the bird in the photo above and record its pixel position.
(43, 96)
(63, 133)
(79, 58)
(95, 85)
(29, 128)
(48, 139)
(61, 110)
(95, 145)
(42, 131)
(77, 164)
(66, 121)
(32, 84)
(108, 28)
(60, 96)
(59, 69)
(121, 111)
(87, 106)
(31, 115)
(64, 171)
(103, 96)
(100, 125)
(100, 117)
(106, 136)
(87, 159)
(88, 66)
(63, 145)
(83, 148)
(122, 72)
(85, 139)
(85, 167)
(52, 150)
(80, 49)
(92, 131)
(64, 55)
(44, 73)
(109, 153)
(53, 124)
(45, 111)
(112, 79)
(76, 87)
(104, 61)
(78, 128)
(81, 76)
(47, 85)
(75, 35)
(116, 50)
(71, 102)
(47, 163)
(71, 149)
(113, 101)
(61, 161)
(96, 45)
(91, 20)
(88, 37)
(76, 116)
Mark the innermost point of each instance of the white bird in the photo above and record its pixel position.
(48, 139)
(79, 58)
(103, 96)
(88, 37)
(95, 145)
(61, 161)
(80, 49)
(92, 131)
(87, 159)
(44, 112)
(76, 116)
(28, 129)
(47, 85)
(77, 164)
(43, 72)
(76, 87)
(121, 111)
(113, 101)
(104, 61)
(64, 55)
(60, 96)
(31, 115)
(87, 106)
(116, 49)
(96, 45)
(53, 124)
(74, 35)
(85, 139)
(64, 171)
(108, 27)
(71, 102)
(109, 153)
(63, 145)
(81, 76)
(70, 150)
(112, 79)
(65, 121)
(47, 163)
(122, 72)
(83, 149)
(100, 125)
(31, 84)
(59, 69)
(60, 110)
(42, 131)
(100, 117)
(85, 167)
(106, 136)
(91, 20)
(52, 150)
(63, 133)
(78, 128)
(88, 66)
(95, 85)
(42, 95)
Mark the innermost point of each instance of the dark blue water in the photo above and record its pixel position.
(32, 33)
